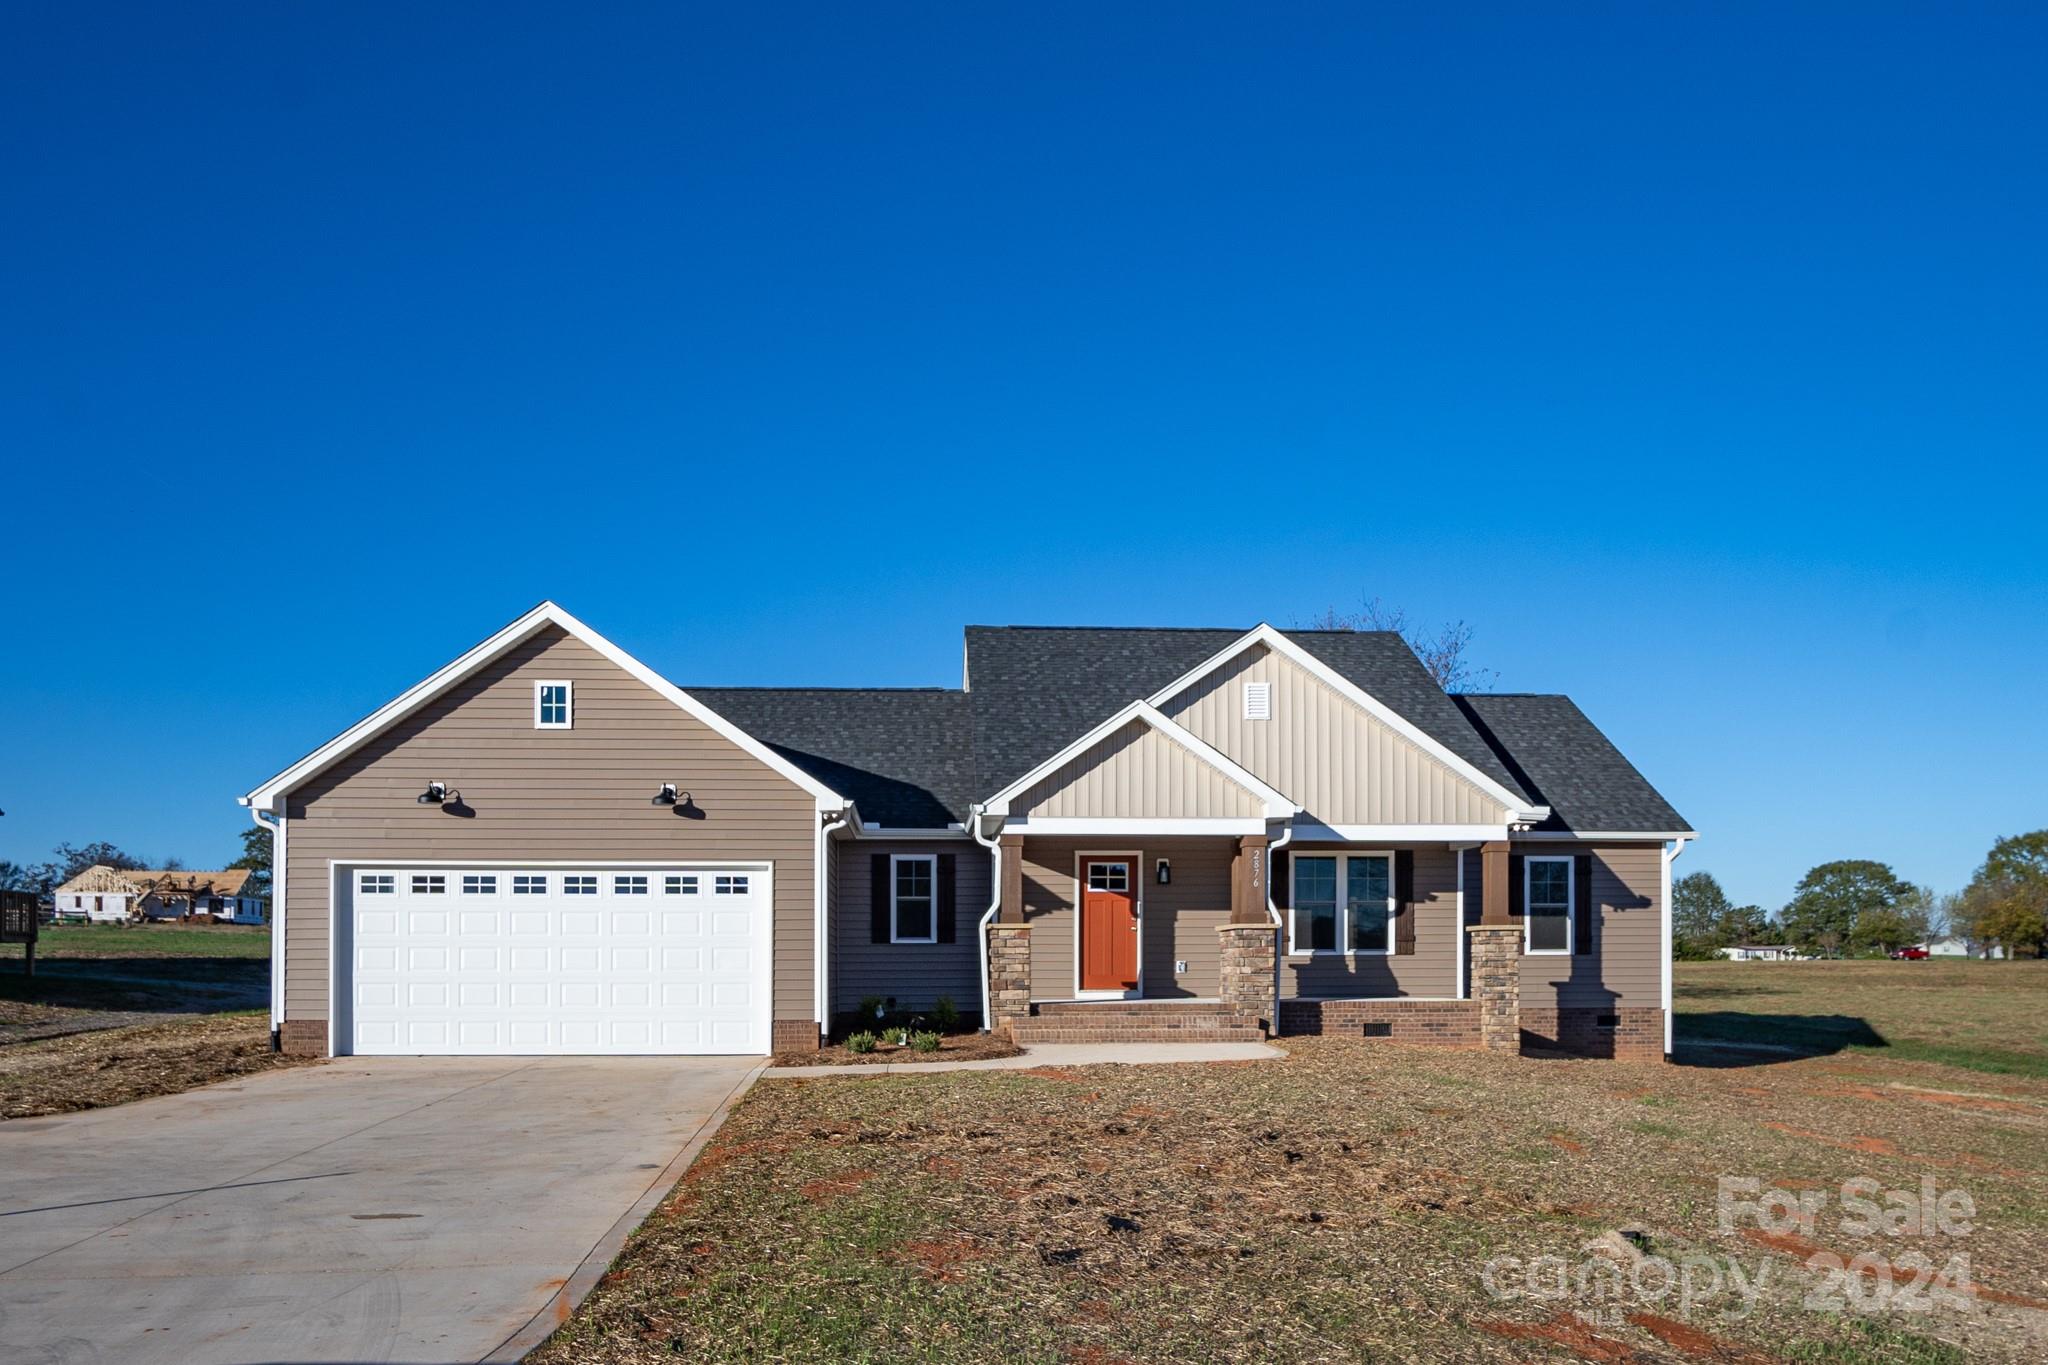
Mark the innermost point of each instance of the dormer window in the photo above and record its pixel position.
(1258, 701)
(551, 705)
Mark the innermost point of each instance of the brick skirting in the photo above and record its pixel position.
(302, 1037)
(1637, 1036)
(1634, 1035)
(1445, 1023)
(795, 1035)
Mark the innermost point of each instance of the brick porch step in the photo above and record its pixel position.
(1148, 1008)
(1128, 1021)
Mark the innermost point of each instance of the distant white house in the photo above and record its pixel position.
(1761, 952)
(1955, 945)
(103, 894)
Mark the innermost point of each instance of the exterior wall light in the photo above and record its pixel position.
(666, 796)
(1165, 872)
(436, 794)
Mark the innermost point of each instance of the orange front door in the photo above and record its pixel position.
(1109, 924)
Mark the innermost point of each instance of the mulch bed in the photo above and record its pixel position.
(114, 1066)
(955, 1047)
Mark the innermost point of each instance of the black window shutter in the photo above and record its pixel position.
(947, 932)
(878, 898)
(1515, 885)
(1582, 904)
(1404, 901)
(1279, 883)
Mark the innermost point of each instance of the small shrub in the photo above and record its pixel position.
(925, 1042)
(945, 1014)
(871, 1007)
(862, 1042)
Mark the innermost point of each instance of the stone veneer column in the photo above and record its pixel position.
(1497, 984)
(1249, 972)
(1009, 975)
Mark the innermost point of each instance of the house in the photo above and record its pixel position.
(546, 847)
(1956, 945)
(1761, 952)
(105, 894)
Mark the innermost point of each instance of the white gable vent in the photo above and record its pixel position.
(1258, 701)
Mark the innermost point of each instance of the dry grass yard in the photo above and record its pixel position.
(1342, 1204)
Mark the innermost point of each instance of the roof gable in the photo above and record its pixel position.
(541, 617)
(1106, 743)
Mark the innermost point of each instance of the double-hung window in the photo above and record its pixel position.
(1547, 905)
(551, 705)
(913, 905)
(1343, 903)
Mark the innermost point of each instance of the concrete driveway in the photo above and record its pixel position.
(389, 1209)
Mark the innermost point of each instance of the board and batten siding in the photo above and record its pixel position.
(915, 975)
(1625, 967)
(1341, 763)
(1136, 772)
(1178, 921)
(1430, 972)
(548, 795)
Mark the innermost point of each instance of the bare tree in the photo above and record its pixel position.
(1441, 650)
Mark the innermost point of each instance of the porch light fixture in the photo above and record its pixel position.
(436, 794)
(666, 796)
(1165, 872)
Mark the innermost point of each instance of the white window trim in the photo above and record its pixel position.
(1571, 905)
(933, 860)
(1343, 905)
(568, 721)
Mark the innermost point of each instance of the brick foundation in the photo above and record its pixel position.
(1497, 984)
(1249, 972)
(302, 1037)
(1634, 1035)
(1442, 1023)
(1009, 976)
(795, 1035)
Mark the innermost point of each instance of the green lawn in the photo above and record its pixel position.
(1990, 1017)
(148, 940)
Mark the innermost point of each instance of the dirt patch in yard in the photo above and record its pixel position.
(114, 1066)
(958, 1047)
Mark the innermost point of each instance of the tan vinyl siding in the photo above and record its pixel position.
(581, 793)
(1137, 772)
(1177, 921)
(1344, 765)
(1430, 972)
(1625, 968)
(916, 974)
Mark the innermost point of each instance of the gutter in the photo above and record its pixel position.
(821, 951)
(995, 903)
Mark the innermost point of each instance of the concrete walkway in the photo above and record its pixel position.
(1055, 1054)
(372, 1209)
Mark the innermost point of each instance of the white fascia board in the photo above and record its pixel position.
(882, 832)
(1277, 805)
(1118, 825)
(1647, 836)
(1311, 831)
(546, 614)
(1517, 807)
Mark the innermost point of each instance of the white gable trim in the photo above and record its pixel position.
(1518, 809)
(1278, 807)
(546, 614)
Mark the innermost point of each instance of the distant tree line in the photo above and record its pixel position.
(1857, 907)
(68, 860)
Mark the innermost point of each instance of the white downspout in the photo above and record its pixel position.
(1459, 851)
(1286, 838)
(277, 836)
(1671, 852)
(821, 995)
(995, 903)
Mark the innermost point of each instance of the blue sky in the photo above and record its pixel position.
(1693, 354)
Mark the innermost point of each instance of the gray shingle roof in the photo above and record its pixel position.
(904, 755)
(1563, 760)
(914, 758)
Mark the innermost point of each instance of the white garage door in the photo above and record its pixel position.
(529, 960)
